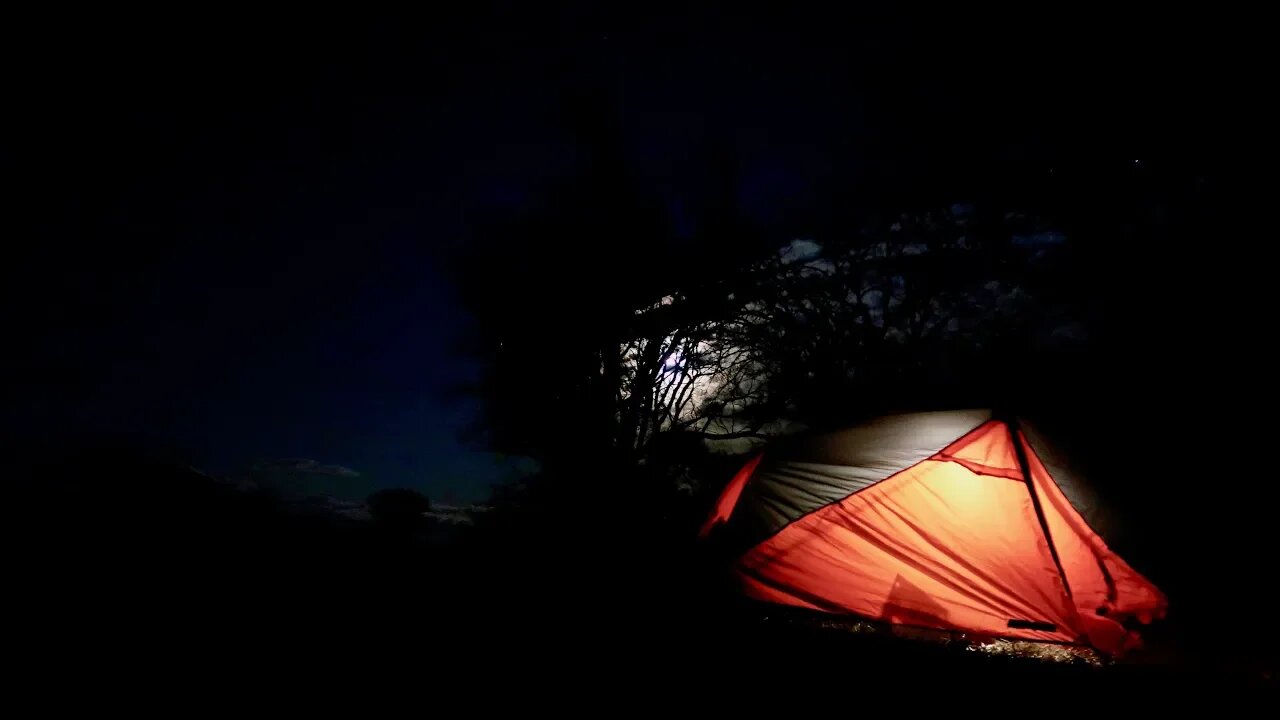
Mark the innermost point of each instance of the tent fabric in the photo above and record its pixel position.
(729, 497)
(1068, 479)
(1099, 578)
(812, 472)
(955, 540)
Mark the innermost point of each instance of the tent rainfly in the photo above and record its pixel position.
(959, 520)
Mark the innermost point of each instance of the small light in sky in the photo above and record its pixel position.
(1135, 162)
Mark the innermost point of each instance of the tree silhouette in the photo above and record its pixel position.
(553, 292)
(399, 508)
(598, 331)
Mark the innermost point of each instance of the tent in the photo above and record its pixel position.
(959, 520)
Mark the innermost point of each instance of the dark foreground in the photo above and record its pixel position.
(173, 580)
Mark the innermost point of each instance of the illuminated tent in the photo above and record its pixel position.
(952, 520)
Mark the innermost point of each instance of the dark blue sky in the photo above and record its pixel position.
(233, 230)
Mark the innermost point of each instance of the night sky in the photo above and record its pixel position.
(231, 229)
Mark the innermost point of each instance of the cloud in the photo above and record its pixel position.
(822, 265)
(798, 250)
(314, 467)
(1040, 239)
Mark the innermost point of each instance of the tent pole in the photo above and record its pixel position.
(1011, 422)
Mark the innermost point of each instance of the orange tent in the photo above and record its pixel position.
(953, 520)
